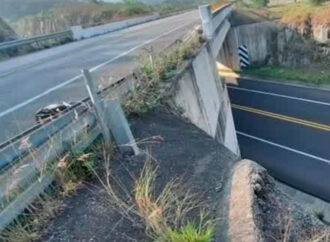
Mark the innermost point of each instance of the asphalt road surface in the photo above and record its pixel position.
(285, 128)
(27, 82)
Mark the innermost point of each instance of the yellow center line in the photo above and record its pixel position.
(283, 117)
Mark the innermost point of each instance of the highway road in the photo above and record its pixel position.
(31, 81)
(285, 128)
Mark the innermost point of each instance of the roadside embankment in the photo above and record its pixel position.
(6, 32)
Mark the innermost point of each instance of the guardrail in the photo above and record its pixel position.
(18, 43)
(24, 161)
(24, 158)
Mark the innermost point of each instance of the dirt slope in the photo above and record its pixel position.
(6, 32)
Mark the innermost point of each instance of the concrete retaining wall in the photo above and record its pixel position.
(204, 99)
(80, 33)
(257, 37)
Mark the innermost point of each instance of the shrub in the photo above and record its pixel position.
(134, 7)
(153, 71)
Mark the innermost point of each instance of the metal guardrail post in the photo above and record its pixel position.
(98, 107)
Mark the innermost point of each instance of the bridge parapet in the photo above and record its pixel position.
(215, 25)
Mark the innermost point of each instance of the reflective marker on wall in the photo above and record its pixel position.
(243, 56)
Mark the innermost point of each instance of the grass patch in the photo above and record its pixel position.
(154, 71)
(73, 170)
(284, 73)
(26, 228)
(190, 233)
(172, 213)
(70, 171)
(302, 15)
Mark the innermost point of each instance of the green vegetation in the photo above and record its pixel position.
(167, 216)
(70, 171)
(302, 15)
(26, 228)
(74, 169)
(190, 233)
(284, 73)
(154, 71)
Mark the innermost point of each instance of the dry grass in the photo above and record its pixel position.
(27, 227)
(73, 170)
(321, 236)
(301, 15)
(164, 215)
(218, 4)
(296, 14)
(322, 16)
(154, 70)
(70, 171)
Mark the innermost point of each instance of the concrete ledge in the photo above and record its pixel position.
(242, 226)
(259, 210)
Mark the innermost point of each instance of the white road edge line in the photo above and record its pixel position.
(279, 95)
(297, 84)
(284, 147)
(18, 106)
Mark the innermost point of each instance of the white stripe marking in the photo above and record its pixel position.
(280, 95)
(243, 55)
(243, 48)
(18, 106)
(284, 147)
(246, 62)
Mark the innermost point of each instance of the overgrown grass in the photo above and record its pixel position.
(190, 233)
(301, 15)
(155, 70)
(319, 236)
(168, 215)
(73, 170)
(284, 73)
(70, 171)
(27, 227)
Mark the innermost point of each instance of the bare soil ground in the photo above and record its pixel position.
(181, 150)
(277, 215)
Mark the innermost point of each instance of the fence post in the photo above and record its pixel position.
(206, 16)
(98, 107)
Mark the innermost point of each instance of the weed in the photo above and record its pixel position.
(74, 169)
(70, 171)
(153, 71)
(190, 233)
(303, 16)
(166, 216)
(26, 228)
(319, 236)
